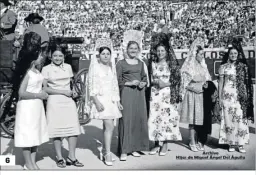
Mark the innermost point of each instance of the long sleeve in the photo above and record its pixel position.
(94, 89)
(116, 92)
(144, 77)
(119, 72)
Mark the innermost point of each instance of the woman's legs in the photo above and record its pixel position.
(72, 141)
(108, 128)
(164, 148)
(192, 134)
(27, 157)
(57, 145)
(33, 157)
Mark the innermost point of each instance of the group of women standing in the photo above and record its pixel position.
(117, 91)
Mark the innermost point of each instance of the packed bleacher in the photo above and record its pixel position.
(215, 21)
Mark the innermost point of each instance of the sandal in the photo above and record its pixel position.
(61, 163)
(107, 162)
(74, 162)
(101, 157)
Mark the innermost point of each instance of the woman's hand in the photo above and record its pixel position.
(133, 83)
(43, 95)
(120, 107)
(142, 85)
(161, 84)
(68, 93)
(205, 85)
(136, 82)
(74, 93)
(99, 106)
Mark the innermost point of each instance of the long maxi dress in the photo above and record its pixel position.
(164, 117)
(133, 128)
(234, 130)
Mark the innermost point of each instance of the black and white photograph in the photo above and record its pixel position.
(127, 85)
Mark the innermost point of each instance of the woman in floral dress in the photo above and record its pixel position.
(165, 78)
(236, 99)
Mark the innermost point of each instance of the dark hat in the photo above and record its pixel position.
(6, 2)
(32, 16)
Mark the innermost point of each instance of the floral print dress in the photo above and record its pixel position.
(164, 118)
(234, 129)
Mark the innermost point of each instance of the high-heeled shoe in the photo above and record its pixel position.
(200, 147)
(154, 150)
(241, 149)
(76, 163)
(108, 163)
(193, 148)
(102, 157)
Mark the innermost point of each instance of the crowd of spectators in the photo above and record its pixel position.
(213, 20)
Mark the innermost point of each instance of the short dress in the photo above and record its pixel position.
(107, 95)
(61, 112)
(30, 121)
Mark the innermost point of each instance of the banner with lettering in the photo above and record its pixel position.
(213, 58)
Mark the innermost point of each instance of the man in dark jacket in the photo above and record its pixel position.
(8, 21)
(34, 20)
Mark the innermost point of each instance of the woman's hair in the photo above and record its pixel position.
(58, 47)
(240, 57)
(131, 43)
(166, 49)
(36, 21)
(101, 49)
(198, 49)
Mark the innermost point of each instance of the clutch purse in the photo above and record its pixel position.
(195, 87)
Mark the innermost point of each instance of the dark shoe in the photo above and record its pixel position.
(74, 162)
(61, 163)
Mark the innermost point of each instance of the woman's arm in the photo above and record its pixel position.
(52, 91)
(119, 72)
(23, 94)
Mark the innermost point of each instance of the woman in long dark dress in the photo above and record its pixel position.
(132, 79)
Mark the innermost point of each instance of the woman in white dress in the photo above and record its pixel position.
(30, 124)
(104, 93)
(61, 113)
